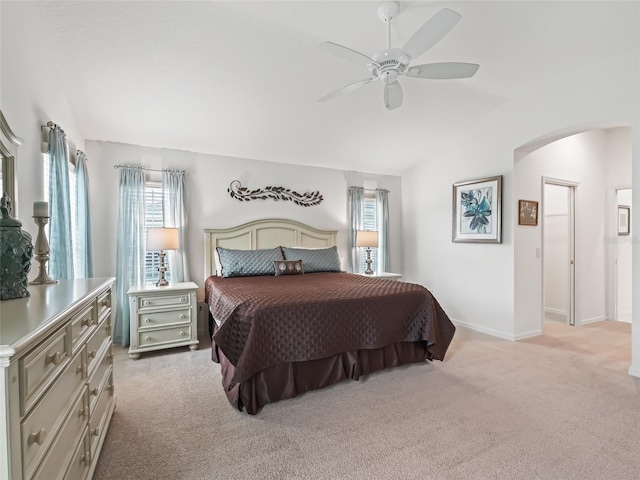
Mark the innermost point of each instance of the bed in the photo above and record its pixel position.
(278, 336)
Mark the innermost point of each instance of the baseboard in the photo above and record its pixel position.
(586, 321)
(529, 334)
(634, 372)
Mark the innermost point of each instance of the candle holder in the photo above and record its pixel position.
(42, 252)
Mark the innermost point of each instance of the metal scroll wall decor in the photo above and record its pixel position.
(308, 199)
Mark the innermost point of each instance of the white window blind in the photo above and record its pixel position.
(154, 217)
(370, 223)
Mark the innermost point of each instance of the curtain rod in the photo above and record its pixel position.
(122, 165)
(71, 145)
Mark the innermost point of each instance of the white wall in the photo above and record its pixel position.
(487, 286)
(209, 203)
(623, 260)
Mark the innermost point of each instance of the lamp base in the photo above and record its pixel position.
(163, 281)
(368, 271)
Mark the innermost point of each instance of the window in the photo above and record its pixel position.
(154, 217)
(370, 223)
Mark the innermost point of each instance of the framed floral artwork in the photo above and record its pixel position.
(624, 220)
(527, 212)
(477, 210)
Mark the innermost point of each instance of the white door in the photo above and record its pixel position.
(558, 228)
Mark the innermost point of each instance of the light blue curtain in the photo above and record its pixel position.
(60, 240)
(355, 204)
(175, 215)
(382, 219)
(84, 252)
(130, 253)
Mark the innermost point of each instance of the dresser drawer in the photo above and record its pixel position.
(166, 335)
(171, 317)
(101, 413)
(39, 428)
(82, 325)
(81, 460)
(59, 455)
(103, 304)
(40, 366)
(96, 343)
(170, 299)
(99, 378)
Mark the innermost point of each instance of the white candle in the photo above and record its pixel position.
(40, 209)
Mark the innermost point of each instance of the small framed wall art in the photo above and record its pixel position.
(477, 210)
(624, 220)
(527, 212)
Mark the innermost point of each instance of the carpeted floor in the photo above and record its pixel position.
(559, 406)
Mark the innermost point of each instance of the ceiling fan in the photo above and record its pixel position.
(391, 63)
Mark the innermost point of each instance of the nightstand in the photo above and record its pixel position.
(389, 275)
(162, 317)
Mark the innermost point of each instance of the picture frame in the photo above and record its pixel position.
(624, 220)
(528, 212)
(477, 211)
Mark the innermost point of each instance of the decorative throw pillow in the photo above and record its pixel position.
(315, 259)
(248, 263)
(288, 267)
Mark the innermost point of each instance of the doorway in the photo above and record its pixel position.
(558, 246)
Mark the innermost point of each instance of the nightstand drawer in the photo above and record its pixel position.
(41, 365)
(81, 325)
(166, 335)
(152, 301)
(172, 317)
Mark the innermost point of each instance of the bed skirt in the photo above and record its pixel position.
(291, 379)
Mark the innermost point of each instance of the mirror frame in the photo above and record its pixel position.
(9, 143)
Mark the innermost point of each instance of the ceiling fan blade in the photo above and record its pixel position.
(431, 32)
(443, 71)
(392, 95)
(347, 89)
(347, 54)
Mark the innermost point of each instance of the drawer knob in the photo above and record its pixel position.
(182, 299)
(182, 334)
(37, 437)
(147, 338)
(54, 358)
(81, 412)
(146, 302)
(147, 320)
(111, 388)
(182, 315)
(79, 369)
(85, 458)
(95, 432)
(107, 328)
(94, 391)
(104, 303)
(85, 322)
(92, 354)
(110, 357)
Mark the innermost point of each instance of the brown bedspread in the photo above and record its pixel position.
(267, 321)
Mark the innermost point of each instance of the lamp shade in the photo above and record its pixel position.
(366, 238)
(162, 239)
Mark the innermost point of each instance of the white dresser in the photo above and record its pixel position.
(163, 317)
(56, 380)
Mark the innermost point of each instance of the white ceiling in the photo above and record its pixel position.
(242, 79)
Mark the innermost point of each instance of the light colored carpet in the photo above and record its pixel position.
(559, 406)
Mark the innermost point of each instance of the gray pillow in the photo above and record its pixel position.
(315, 259)
(248, 263)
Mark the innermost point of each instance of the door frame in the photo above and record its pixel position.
(572, 186)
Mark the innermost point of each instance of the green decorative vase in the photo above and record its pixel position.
(16, 250)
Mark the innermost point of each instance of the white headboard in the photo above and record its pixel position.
(269, 233)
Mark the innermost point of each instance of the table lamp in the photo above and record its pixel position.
(159, 240)
(368, 239)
